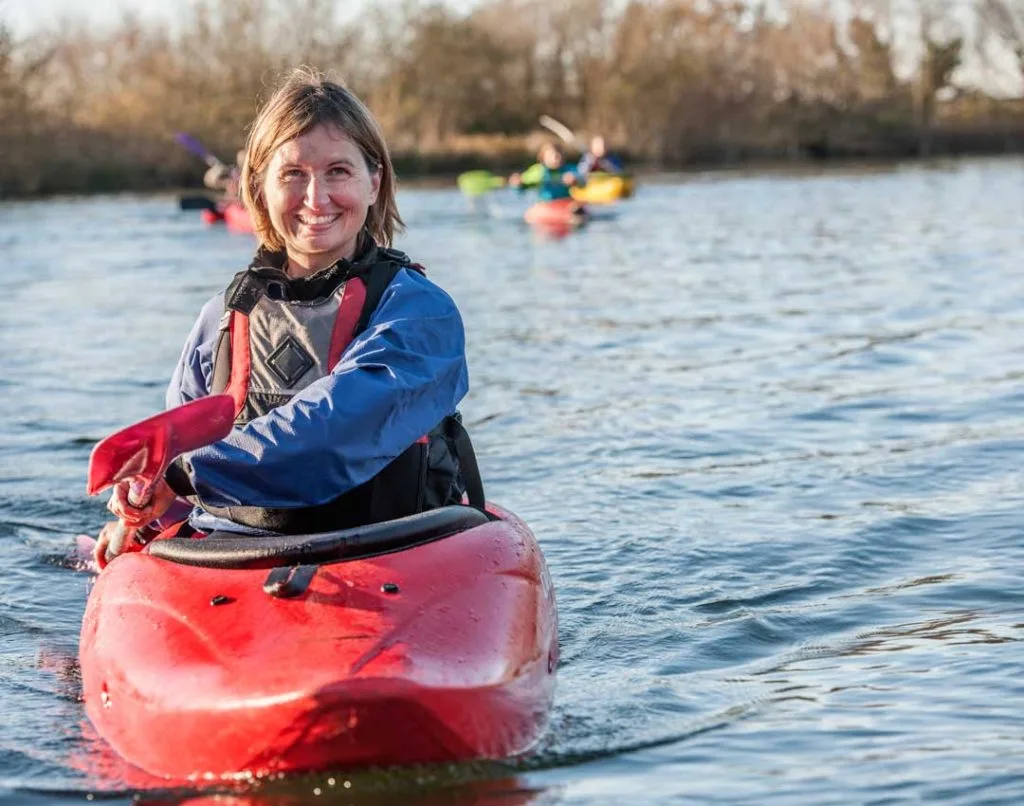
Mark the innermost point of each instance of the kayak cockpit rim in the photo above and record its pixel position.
(229, 550)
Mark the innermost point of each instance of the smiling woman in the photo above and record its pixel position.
(344, 362)
(318, 189)
(317, 174)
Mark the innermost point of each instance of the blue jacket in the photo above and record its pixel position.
(608, 163)
(394, 382)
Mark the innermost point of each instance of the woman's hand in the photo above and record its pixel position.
(120, 505)
(111, 532)
(118, 536)
(515, 180)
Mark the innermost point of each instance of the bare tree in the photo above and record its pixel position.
(1002, 26)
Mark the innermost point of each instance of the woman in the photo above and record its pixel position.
(345, 362)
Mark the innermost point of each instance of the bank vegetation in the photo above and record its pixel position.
(670, 83)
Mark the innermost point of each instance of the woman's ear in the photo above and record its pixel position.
(375, 178)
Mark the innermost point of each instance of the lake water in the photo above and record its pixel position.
(768, 429)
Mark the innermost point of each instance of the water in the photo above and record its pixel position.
(767, 429)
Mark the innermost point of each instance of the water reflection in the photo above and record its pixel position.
(348, 790)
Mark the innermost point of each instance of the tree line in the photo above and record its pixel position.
(668, 82)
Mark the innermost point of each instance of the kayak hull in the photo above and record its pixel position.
(232, 214)
(212, 216)
(237, 218)
(555, 213)
(604, 189)
(444, 651)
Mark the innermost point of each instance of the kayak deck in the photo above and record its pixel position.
(439, 652)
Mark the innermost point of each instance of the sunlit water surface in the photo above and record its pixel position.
(767, 428)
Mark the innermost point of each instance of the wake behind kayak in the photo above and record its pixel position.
(430, 638)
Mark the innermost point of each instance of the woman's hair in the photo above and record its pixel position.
(306, 100)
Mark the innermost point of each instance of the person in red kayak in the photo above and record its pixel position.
(550, 176)
(345, 362)
(225, 178)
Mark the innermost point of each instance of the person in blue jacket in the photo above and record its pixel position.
(597, 158)
(345, 362)
(550, 175)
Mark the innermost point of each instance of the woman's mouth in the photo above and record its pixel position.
(317, 221)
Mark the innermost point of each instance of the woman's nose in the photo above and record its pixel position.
(316, 192)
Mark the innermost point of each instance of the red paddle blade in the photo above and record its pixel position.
(145, 449)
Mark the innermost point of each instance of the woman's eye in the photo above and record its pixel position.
(291, 173)
(338, 170)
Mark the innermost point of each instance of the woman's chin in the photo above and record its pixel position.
(326, 250)
(320, 242)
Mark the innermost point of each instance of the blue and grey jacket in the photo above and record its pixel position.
(329, 434)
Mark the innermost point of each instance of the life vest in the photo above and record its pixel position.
(552, 185)
(279, 335)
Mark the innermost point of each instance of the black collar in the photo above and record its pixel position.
(268, 267)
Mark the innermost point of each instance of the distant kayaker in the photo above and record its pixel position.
(345, 362)
(225, 178)
(599, 159)
(550, 175)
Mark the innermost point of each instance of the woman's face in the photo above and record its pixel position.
(318, 190)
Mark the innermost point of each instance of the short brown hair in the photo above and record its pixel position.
(305, 100)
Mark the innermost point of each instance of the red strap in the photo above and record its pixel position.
(241, 359)
(352, 301)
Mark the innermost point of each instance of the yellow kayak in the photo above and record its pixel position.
(602, 188)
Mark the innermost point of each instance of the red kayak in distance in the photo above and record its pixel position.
(556, 213)
(232, 214)
(431, 638)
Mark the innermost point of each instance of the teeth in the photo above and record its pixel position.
(316, 219)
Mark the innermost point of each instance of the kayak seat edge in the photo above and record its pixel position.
(229, 550)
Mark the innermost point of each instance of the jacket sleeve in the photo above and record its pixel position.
(191, 378)
(395, 382)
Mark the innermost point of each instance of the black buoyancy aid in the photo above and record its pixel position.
(279, 335)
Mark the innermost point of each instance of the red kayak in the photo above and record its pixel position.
(556, 212)
(425, 639)
(232, 214)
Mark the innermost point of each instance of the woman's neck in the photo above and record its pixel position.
(298, 266)
(301, 266)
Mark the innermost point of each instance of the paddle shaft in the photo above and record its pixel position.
(143, 451)
(197, 148)
(564, 133)
(139, 494)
